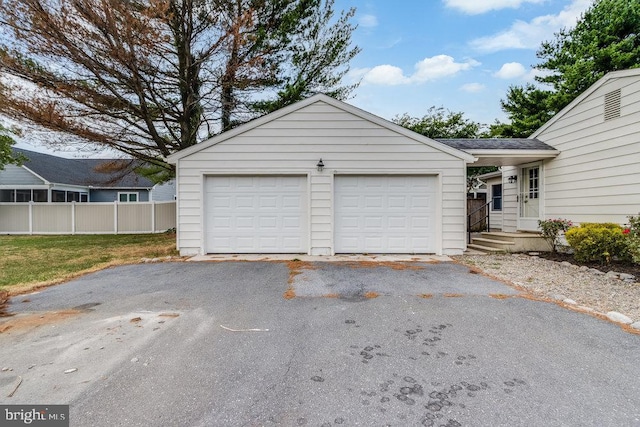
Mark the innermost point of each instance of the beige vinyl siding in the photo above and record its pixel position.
(509, 200)
(17, 176)
(596, 177)
(495, 217)
(293, 144)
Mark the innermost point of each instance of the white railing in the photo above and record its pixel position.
(87, 218)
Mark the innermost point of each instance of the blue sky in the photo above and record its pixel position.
(459, 54)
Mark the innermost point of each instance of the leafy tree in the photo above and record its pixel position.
(151, 77)
(606, 38)
(440, 123)
(527, 108)
(7, 156)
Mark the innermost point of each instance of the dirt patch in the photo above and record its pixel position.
(4, 304)
(289, 294)
(35, 320)
(296, 266)
(168, 315)
(500, 296)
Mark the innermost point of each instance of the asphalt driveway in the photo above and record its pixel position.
(260, 343)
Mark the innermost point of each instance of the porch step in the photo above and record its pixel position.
(485, 249)
(495, 242)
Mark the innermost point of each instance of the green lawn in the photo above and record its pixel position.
(27, 262)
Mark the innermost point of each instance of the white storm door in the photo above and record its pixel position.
(530, 198)
(256, 214)
(385, 214)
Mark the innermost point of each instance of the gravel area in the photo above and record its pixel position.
(562, 281)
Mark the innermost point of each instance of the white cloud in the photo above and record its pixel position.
(511, 70)
(475, 7)
(439, 66)
(473, 87)
(529, 35)
(368, 21)
(428, 69)
(386, 75)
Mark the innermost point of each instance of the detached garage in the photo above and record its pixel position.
(321, 177)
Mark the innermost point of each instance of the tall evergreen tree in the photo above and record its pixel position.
(151, 77)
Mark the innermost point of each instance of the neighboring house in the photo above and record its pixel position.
(47, 178)
(323, 177)
(595, 177)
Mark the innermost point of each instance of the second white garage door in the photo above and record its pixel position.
(256, 214)
(385, 214)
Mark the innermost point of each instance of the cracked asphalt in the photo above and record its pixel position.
(218, 344)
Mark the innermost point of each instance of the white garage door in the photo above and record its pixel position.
(385, 214)
(256, 214)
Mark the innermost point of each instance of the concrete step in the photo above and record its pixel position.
(486, 249)
(492, 243)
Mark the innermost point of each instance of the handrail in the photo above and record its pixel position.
(483, 219)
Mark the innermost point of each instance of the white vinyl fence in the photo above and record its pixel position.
(87, 218)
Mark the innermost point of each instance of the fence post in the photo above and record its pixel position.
(73, 218)
(115, 217)
(153, 216)
(31, 217)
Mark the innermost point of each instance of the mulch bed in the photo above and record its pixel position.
(617, 266)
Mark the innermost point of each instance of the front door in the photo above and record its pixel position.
(529, 206)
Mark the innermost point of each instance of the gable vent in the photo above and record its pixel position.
(612, 105)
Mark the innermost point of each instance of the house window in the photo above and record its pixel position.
(58, 196)
(68, 196)
(534, 183)
(73, 196)
(127, 197)
(23, 196)
(40, 196)
(496, 197)
(7, 196)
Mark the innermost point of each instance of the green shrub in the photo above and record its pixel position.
(599, 242)
(551, 229)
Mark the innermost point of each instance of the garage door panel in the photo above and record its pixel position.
(256, 214)
(384, 214)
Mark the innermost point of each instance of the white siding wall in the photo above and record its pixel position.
(596, 178)
(294, 143)
(509, 200)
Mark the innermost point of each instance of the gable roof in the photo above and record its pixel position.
(81, 172)
(333, 102)
(634, 72)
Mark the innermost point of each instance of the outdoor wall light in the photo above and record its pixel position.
(513, 178)
(320, 166)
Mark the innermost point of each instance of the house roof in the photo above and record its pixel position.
(81, 172)
(635, 72)
(503, 151)
(495, 143)
(333, 102)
